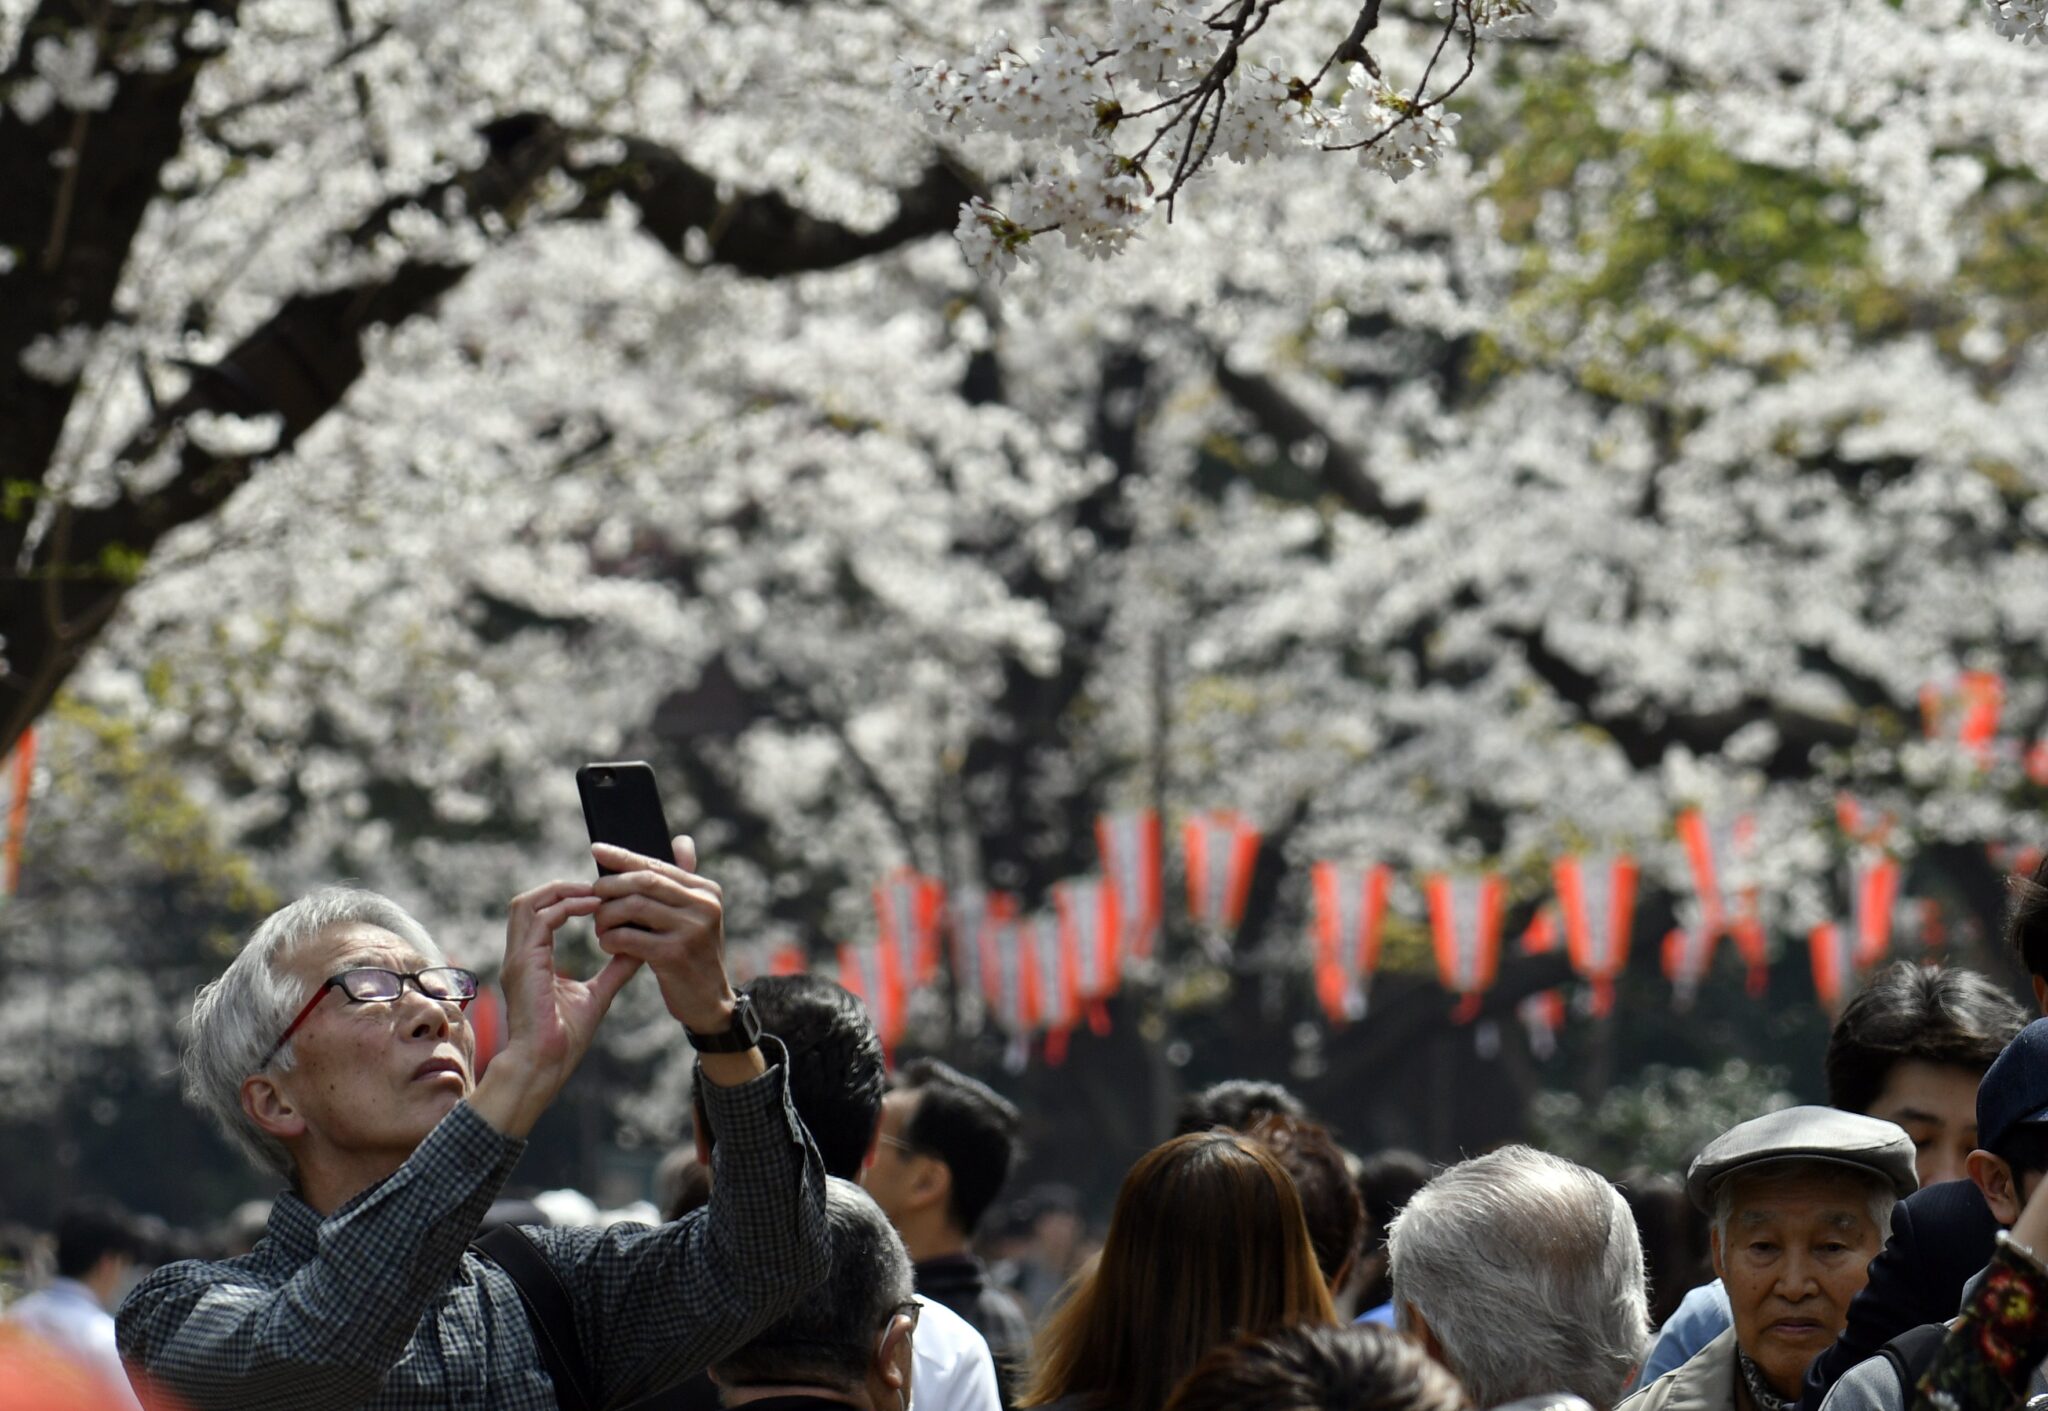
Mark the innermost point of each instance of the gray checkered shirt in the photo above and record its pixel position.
(381, 1306)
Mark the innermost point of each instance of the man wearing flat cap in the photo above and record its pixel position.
(1800, 1202)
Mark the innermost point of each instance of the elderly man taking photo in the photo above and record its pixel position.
(1800, 1201)
(335, 1049)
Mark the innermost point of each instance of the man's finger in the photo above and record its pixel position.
(668, 885)
(548, 893)
(686, 851)
(625, 941)
(553, 916)
(648, 914)
(606, 983)
(619, 859)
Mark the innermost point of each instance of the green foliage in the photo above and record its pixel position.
(1654, 223)
(158, 819)
(1660, 1121)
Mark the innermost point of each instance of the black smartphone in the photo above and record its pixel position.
(621, 806)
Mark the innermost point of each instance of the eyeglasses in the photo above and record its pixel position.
(909, 1309)
(901, 1145)
(447, 983)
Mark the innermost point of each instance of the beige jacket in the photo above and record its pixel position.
(1706, 1382)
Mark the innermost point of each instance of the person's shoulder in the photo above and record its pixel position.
(949, 1338)
(1868, 1385)
(167, 1293)
(1705, 1381)
(1946, 1204)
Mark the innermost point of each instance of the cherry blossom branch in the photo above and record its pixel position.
(1184, 75)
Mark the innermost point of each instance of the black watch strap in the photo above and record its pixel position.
(743, 1034)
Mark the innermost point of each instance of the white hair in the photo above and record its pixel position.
(1529, 1272)
(829, 1337)
(236, 1018)
(1878, 1194)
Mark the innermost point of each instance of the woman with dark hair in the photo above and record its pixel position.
(1207, 1243)
(1309, 1368)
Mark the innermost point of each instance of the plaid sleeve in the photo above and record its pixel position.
(326, 1336)
(656, 1304)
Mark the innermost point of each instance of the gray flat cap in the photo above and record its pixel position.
(1805, 1134)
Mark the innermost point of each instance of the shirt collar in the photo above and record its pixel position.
(294, 1225)
(72, 1290)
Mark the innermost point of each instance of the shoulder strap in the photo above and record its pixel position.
(547, 1307)
(1912, 1352)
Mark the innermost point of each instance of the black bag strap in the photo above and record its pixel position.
(547, 1308)
(1912, 1352)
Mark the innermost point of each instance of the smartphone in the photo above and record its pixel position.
(621, 806)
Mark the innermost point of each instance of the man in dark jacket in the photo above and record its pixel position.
(1942, 1235)
(945, 1150)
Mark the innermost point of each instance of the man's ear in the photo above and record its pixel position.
(1993, 1177)
(1715, 1252)
(1417, 1327)
(932, 1184)
(874, 1145)
(2041, 995)
(268, 1106)
(893, 1359)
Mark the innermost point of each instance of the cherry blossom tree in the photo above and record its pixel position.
(404, 404)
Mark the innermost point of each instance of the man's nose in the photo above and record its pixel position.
(428, 1018)
(1796, 1280)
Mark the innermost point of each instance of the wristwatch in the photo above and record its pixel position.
(744, 1033)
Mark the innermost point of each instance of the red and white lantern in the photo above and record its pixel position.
(1596, 898)
(1715, 849)
(1129, 845)
(1350, 910)
(1465, 916)
(1222, 851)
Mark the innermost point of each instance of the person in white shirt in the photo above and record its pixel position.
(97, 1251)
(836, 1078)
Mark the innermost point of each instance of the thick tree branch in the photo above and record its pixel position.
(1288, 422)
(77, 186)
(302, 362)
(1645, 733)
(761, 234)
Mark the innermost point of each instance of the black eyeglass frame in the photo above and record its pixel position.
(346, 978)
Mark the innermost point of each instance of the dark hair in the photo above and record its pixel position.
(828, 1336)
(835, 1065)
(89, 1231)
(967, 1125)
(1922, 1012)
(682, 1183)
(1207, 1243)
(1236, 1103)
(1308, 1368)
(1673, 1230)
(2026, 918)
(1387, 1182)
(2025, 1149)
(1329, 1200)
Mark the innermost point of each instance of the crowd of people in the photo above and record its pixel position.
(825, 1242)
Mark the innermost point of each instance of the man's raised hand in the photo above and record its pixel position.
(550, 1018)
(665, 914)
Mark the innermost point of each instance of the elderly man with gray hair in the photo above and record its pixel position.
(1801, 1201)
(1522, 1273)
(849, 1344)
(337, 1051)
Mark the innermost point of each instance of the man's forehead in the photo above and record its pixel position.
(356, 943)
(1845, 1203)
